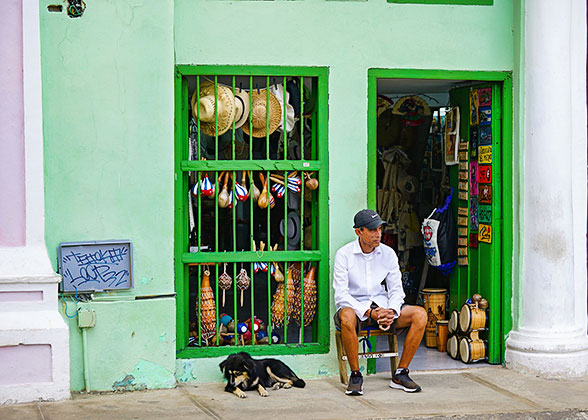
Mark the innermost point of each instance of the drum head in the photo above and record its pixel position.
(464, 350)
(453, 321)
(453, 346)
(465, 318)
(433, 291)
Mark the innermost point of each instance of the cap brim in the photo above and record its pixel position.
(374, 224)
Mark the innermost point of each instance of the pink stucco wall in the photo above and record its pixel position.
(25, 364)
(12, 164)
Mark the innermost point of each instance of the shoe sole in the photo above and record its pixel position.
(354, 393)
(394, 385)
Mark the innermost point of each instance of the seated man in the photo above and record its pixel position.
(368, 290)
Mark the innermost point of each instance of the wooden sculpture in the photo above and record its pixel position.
(309, 293)
(207, 308)
(281, 299)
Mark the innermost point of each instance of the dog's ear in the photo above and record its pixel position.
(222, 366)
(249, 365)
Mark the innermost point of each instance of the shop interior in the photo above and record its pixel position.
(417, 169)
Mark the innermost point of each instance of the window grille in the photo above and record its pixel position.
(251, 239)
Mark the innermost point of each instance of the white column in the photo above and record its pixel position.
(34, 339)
(549, 337)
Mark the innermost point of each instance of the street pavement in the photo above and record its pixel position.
(489, 393)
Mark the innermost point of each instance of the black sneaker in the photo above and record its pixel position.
(403, 381)
(355, 386)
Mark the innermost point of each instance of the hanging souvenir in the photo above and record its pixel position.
(278, 189)
(206, 186)
(265, 198)
(308, 292)
(241, 189)
(474, 214)
(485, 96)
(485, 174)
(451, 136)
(473, 107)
(278, 275)
(474, 178)
(243, 281)
(440, 239)
(485, 115)
(225, 282)
(485, 213)
(283, 300)
(413, 109)
(473, 240)
(485, 196)
(255, 193)
(485, 136)
(484, 154)
(207, 308)
(223, 196)
(485, 234)
(311, 183)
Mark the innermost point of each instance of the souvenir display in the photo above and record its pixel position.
(485, 233)
(474, 178)
(439, 236)
(225, 282)
(213, 111)
(263, 103)
(451, 136)
(474, 213)
(484, 154)
(305, 295)
(243, 282)
(485, 115)
(485, 196)
(485, 213)
(207, 308)
(473, 240)
(283, 300)
(474, 107)
(485, 174)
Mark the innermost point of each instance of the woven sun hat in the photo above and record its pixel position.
(260, 109)
(242, 107)
(205, 109)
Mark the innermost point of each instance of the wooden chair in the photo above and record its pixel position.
(392, 351)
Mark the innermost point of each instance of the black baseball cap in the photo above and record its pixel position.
(367, 218)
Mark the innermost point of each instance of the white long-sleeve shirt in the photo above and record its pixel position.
(358, 279)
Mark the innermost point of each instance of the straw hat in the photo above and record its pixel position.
(278, 91)
(258, 114)
(242, 107)
(205, 109)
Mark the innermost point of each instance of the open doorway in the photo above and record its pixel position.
(437, 141)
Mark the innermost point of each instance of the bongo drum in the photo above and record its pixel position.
(472, 350)
(442, 333)
(472, 318)
(453, 346)
(453, 322)
(434, 302)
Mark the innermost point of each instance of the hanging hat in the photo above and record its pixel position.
(278, 90)
(258, 113)
(242, 107)
(413, 109)
(205, 109)
(293, 230)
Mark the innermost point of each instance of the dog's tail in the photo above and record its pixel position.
(299, 383)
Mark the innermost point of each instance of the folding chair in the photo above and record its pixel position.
(364, 336)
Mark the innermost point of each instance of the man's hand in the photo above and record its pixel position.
(384, 317)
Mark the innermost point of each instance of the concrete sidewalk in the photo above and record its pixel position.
(491, 392)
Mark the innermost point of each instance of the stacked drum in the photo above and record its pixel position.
(464, 329)
(434, 303)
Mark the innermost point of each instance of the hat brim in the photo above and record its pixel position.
(272, 107)
(293, 229)
(374, 224)
(242, 97)
(225, 118)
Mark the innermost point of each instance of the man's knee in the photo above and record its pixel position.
(348, 319)
(420, 316)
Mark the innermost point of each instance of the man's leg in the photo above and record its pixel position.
(414, 317)
(349, 336)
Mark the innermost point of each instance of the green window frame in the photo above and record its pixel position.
(188, 265)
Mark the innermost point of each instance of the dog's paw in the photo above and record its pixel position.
(278, 385)
(239, 393)
(287, 385)
(262, 391)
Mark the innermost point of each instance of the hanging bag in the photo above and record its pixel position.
(440, 238)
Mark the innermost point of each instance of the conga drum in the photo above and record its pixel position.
(442, 334)
(472, 350)
(453, 322)
(434, 302)
(453, 346)
(472, 318)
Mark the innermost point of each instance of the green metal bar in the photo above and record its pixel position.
(250, 118)
(216, 119)
(301, 339)
(282, 349)
(372, 141)
(267, 93)
(285, 174)
(302, 211)
(482, 76)
(249, 256)
(269, 303)
(448, 2)
(252, 311)
(233, 130)
(199, 306)
(235, 201)
(285, 102)
(188, 70)
(235, 292)
(302, 118)
(197, 117)
(216, 312)
(251, 206)
(252, 165)
(286, 303)
(215, 198)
